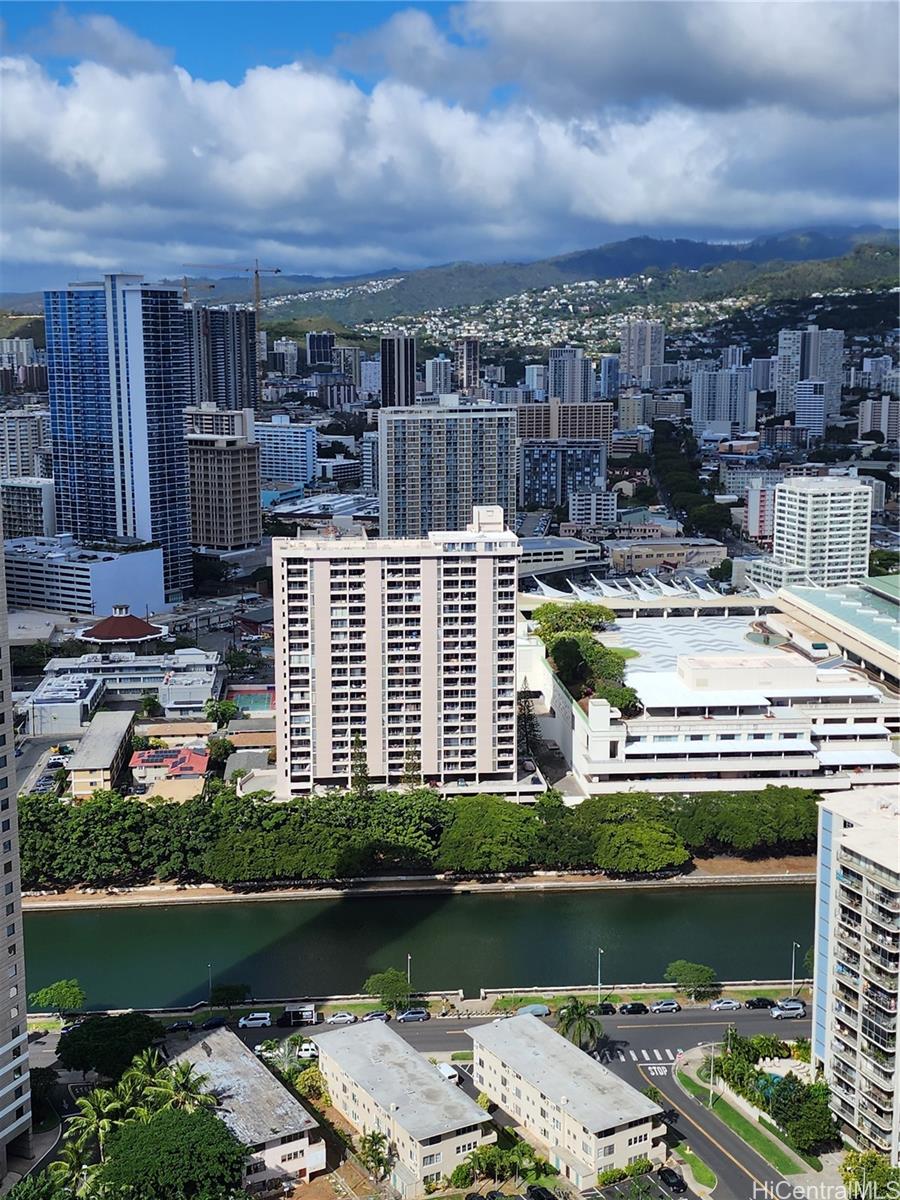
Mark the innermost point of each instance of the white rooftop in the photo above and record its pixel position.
(566, 1075)
(101, 741)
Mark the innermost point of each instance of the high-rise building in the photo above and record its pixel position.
(17, 352)
(810, 406)
(553, 419)
(570, 375)
(370, 376)
(24, 432)
(348, 361)
(536, 377)
(403, 650)
(467, 363)
(398, 371)
(759, 512)
(609, 377)
(643, 344)
(880, 414)
(722, 402)
(287, 453)
(810, 353)
(439, 375)
(320, 349)
(15, 1112)
(820, 535)
(221, 355)
(857, 958)
(29, 507)
(732, 356)
(223, 461)
(437, 463)
(635, 409)
(118, 388)
(549, 472)
(290, 350)
(368, 453)
(762, 374)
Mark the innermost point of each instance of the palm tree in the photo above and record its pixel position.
(71, 1169)
(131, 1093)
(99, 1113)
(145, 1067)
(181, 1086)
(579, 1023)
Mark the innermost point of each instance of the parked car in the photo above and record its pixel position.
(759, 1002)
(723, 1004)
(792, 1002)
(307, 1050)
(180, 1027)
(414, 1014)
(528, 764)
(665, 1006)
(341, 1018)
(264, 1050)
(255, 1020)
(378, 1015)
(777, 1013)
(214, 1023)
(605, 1009)
(535, 1010)
(535, 1192)
(449, 1073)
(671, 1179)
(633, 1009)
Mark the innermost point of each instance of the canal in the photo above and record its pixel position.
(158, 955)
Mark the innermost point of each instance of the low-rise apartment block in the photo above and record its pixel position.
(582, 1115)
(381, 1084)
(857, 964)
(58, 708)
(29, 507)
(286, 1145)
(182, 681)
(101, 755)
(631, 558)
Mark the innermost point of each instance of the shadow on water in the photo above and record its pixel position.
(158, 955)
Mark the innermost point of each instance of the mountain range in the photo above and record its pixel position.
(463, 283)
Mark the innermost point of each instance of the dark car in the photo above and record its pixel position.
(414, 1014)
(671, 1179)
(535, 1192)
(214, 1023)
(759, 1002)
(634, 1009)
(180, 1027)
(379, 1015)
(605, 1009)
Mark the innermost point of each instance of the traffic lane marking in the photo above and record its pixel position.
(676, 1024)
(746, 1170)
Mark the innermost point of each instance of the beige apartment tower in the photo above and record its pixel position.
(550, 420)
(405, 649)
(15, 1097)
(223, 460)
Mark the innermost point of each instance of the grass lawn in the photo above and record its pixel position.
(44, 1024)
(747, 1130)
(624, 651)
(505, 1003)
(461, 1056)
(702, 1173)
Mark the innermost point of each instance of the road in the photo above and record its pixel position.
(34, 750)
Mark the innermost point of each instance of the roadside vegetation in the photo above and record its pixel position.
(247, 842)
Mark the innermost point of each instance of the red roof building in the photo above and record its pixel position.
(122, 629)
(181, 762)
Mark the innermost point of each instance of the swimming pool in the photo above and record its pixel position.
(253, 699)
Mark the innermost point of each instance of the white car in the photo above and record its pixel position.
(665, 1006)
(341, 1018)
(255, 1020)
(724, 1005)
(307, 1050)
(264, 1050)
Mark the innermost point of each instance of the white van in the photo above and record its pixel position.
(449, 1073)
(257, 1020)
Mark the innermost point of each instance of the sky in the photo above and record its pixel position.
(342, 138)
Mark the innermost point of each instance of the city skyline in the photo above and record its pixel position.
(293, 116)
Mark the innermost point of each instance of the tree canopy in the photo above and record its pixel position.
(581, 616)
(390, 986)
(695, 980)
(107, 1044)
(63, 996)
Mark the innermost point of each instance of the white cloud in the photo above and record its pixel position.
(147, 169)
(99, 38)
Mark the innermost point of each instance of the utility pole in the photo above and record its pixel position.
(795, 946)
(599, 973)
(409, 970)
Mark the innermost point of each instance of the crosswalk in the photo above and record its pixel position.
(641, 1055)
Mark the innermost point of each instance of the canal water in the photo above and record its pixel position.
(160, 956)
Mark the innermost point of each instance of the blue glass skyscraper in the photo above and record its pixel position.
(117, 369)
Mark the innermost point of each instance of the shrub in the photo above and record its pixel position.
(610, 1175)
(639, 1167)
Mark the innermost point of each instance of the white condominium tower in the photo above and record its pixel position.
(570, 375)
(857, 964)
(810, 353)
(721, 401)
(643, 345)
(406, 648)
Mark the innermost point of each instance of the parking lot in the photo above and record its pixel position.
(644, 1187)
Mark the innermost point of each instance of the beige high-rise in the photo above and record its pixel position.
(15, 1097)
(552, 419)
(223, 459)
(408, 645)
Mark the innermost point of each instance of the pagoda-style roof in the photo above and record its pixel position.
(122, 628)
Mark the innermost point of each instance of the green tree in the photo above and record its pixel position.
(694, 980)
(64, 996)
(580, 616)
(462, 1176)
(73, 1170)
(374, 1153)
(484, 1101)
(867, 1174)
(220, 750)
(638, 848)
(653, 1094)
(527, 726)
(360, 788)
(221, 711)
(390, 986)
(99, 1113)
(487, 835)
(107, 1045)
(176, 1155)
(412, 767)
(42, 1081)
(180, 1085)
(150, 706)
(38, 1187)
(310, 1083)
(723, 571)
(578, 1023)
(227, 995)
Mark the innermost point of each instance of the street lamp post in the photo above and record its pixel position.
(409, 970)
(209, 973)
(599, 972)
(795, 946)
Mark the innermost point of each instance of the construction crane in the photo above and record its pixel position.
(256, 270)
(186, 288)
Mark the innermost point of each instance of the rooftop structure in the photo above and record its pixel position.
(183, 680)
(101, 753)
(62, 707)
(122, 628)
(59, 574)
